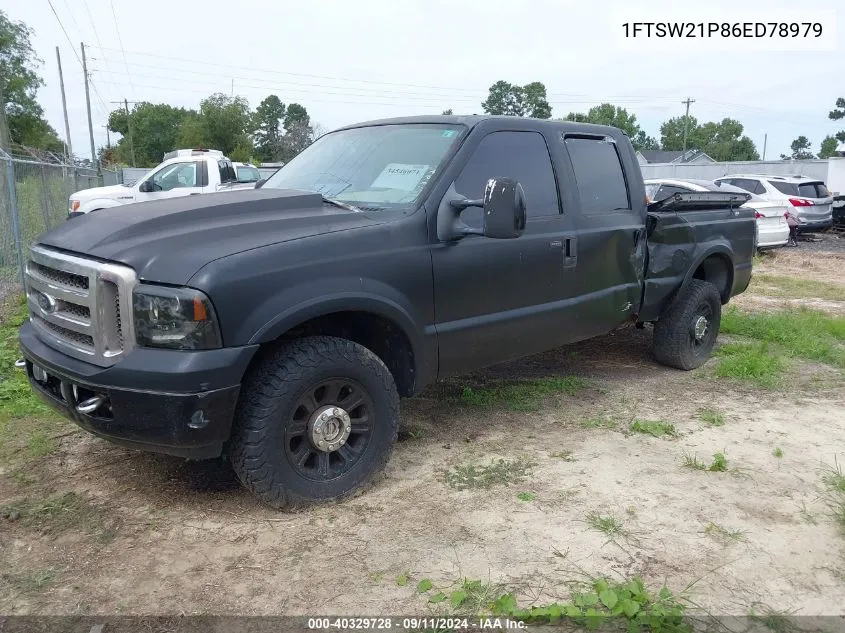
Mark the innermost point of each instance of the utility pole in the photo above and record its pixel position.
(108, 136)
(88, 105)
(64, 106)
(686, 120)
(765, 138)
(129, 124)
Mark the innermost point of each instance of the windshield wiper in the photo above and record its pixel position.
(342, 205)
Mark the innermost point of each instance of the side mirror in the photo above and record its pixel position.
(504, 208)
(260, 183)
(146, 186)
(503, 214)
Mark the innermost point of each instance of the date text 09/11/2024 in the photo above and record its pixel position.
(415, 624)
(723, 29)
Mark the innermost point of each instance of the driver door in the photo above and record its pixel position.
(173, 181)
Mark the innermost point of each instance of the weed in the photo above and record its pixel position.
(403, 578)
(424, 585)
(606, 523)
(593, 605)
(834, 478)
(631, 511)
(524, 395)
(377, 576)
(795, 287)
(711, 417)
(564, 455)
(59, 513)
(656, 428)
(40, 444)
(474, 597)
(526, 496)
(800, 332)
(751, 362)
(720, 463)
(30, 582)
(601, 422)
(806, 515)
(498, 473)
(775, 620)
(716, 530)
(778, 452)
(16, 397)
(692, 461)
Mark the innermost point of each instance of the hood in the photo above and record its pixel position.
(169, 240)
(111, 192)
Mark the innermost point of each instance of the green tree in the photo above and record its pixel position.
(836, 114)
(19, 84)
(828, 147)
(225, 122)
(155, 130)
(267, 122)
(722, 141)
(512, 100)
(609, 114)
(801, 149)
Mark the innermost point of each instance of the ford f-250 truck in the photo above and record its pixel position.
(280, 325)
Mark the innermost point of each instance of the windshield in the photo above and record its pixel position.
(248, 173)
(378, 167)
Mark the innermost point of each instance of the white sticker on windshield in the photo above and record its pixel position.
(400, 176)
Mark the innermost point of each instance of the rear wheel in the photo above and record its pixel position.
(317, 419)
(686, 332)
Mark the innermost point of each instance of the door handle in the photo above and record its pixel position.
(570, 252)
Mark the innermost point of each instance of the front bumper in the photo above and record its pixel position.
(175, 402)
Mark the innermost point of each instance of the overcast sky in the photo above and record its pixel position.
(363, 59)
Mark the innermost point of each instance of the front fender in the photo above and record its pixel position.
(98, 203)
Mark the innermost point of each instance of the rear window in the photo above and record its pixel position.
(788, 188)
(598, 174)
(813, 190)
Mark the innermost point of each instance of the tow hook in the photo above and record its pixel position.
(20, 363)
(90, 405)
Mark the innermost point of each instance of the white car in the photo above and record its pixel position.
(810, 198)
(184, 172)
(247, 172)
(772, 229)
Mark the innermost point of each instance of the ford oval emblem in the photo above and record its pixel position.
(47, 303)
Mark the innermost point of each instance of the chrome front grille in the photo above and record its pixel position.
(81, 306)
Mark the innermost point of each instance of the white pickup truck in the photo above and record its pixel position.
(184, 172)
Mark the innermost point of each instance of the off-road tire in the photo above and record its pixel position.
(269, 400)
(674, 342)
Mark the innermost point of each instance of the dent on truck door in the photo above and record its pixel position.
(611, 235)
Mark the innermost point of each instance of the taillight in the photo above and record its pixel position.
(758, 215)
(800, 202)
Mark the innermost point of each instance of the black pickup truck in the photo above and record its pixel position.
(280, 325)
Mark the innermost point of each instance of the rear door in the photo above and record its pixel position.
(611, 234)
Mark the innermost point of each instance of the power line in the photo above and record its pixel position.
(65, 32)
(122, 51)
(94, 27)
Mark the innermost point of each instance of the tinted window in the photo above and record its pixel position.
(744, 183)
(227, 171)
(813, 190)
(522, 156)
(758, 187)
(785, 187)
(598, 172)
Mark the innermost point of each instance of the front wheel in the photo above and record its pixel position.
(686, 332)
(317, 419)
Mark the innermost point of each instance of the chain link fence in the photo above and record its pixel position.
(34, 192)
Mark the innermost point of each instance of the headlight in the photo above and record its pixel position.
(174, 318)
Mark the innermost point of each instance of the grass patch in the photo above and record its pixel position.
(716, 530)
(40, 444)
(600, 422)
(711, 417)
(498, 473)
(606, 523)
(525, 395)
(56, 514)
(564, 455)
(720, 463)
(16, 397)
(526, 496)
(834, 478)
(752, 362)
(795, 288)
(655, 428)
(778, 452)
(692, 462)
(30, 582)
(802, 333)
